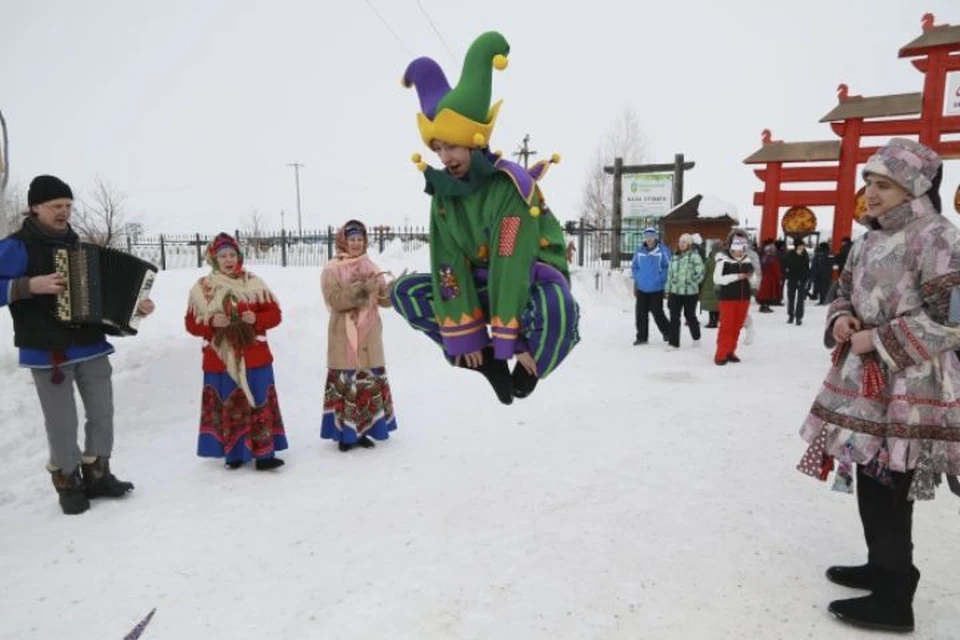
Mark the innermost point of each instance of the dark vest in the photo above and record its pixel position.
(35, 324)
(740, 289)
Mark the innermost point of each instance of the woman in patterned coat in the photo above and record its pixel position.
(232, 310)
(357, 403)
(683, 287)
(890, 404)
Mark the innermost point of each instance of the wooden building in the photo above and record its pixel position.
(690, 217)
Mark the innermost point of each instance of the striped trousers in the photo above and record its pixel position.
(548, 324)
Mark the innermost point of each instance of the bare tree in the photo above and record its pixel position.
(13, 204)
(101, 218)
(624, 140)
(596, 206)
(255, 232)
(5, 225)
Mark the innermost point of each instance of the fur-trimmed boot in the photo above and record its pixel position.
(888, 608)
(99, 482)
(70, 490)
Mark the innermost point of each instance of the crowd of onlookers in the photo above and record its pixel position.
(721, 278)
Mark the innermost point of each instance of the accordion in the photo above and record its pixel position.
(102, 286)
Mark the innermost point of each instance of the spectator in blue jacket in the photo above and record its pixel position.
(650, 265)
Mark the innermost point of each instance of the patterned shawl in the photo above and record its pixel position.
(220, 293)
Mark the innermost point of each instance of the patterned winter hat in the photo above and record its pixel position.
(352, 227)
(220, 243)
(462, 115)
(910, 164)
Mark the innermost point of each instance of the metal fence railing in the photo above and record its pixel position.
(586, 246)
(281, 248)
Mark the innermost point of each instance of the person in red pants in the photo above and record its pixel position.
(734, 276)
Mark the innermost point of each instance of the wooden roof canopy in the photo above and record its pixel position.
(933, 36)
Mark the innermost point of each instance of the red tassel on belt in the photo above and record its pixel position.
(874, 380)
(56, 359)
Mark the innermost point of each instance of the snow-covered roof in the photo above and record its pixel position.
(711, 207)
(706, 207)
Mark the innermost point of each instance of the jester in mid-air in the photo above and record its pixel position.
(499, 283)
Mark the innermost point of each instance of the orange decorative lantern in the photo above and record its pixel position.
(799, 222)
(860, 206)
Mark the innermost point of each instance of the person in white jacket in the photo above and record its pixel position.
(735, 276)
(749, 331)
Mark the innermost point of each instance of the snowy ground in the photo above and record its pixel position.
(636, 494)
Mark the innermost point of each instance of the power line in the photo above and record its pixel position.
(389, 28)
(435, 30)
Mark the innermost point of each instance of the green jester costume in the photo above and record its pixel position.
(496, 251)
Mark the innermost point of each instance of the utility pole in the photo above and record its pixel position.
(4, 173)
(525, 152)
(296, 173)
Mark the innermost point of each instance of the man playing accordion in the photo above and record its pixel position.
(61, 354)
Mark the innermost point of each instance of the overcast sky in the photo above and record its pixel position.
(194, 108)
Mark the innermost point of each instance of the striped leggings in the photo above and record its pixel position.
(548, 324)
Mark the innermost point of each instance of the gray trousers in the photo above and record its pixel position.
(92, 378)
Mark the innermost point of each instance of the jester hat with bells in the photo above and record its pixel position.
(463, 115)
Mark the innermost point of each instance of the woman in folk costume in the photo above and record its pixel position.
(357, 405)
(890, 403)
(771, 283)
(499, 286)
(232, 310)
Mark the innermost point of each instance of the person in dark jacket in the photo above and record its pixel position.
(782, 256)
(797, 273)
(841, 259)
(58, 354)
(821, 273)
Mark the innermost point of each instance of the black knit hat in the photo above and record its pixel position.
(47, 188)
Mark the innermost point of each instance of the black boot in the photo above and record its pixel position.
(854, 577)
(266, 464)
(366, 442)
(888, 608)
(344, 446)
(789, 319)
(100, 482)
(523, 382)
(497, 374)
(70, 490)
(233, 464)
